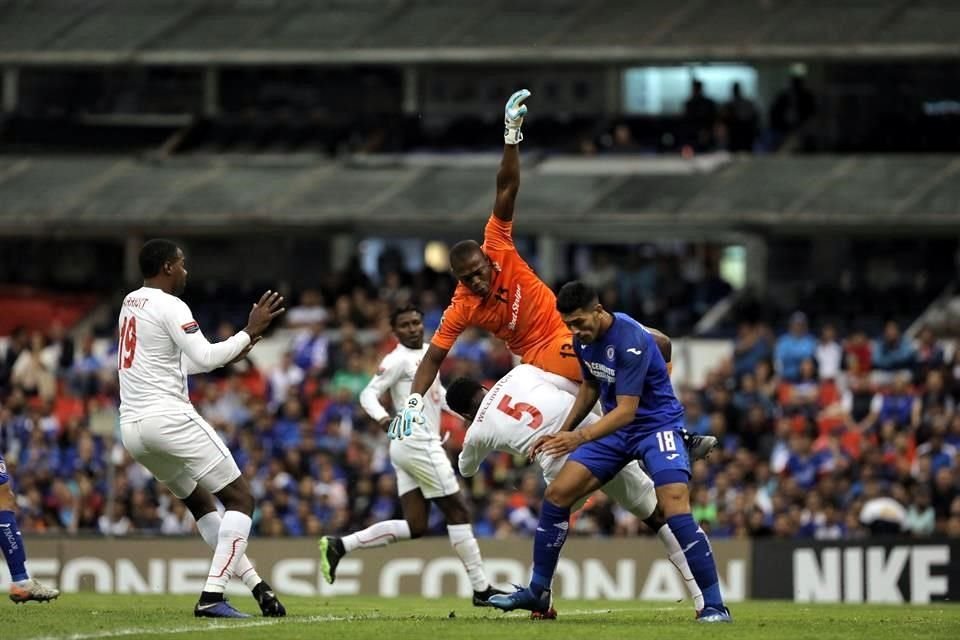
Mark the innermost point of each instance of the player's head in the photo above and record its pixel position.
(407, 325)
(464, 396)
(580, 308)
(162, 261)
(471, 266)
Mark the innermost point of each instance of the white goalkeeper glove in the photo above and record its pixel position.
(513, 117)
(402, 425)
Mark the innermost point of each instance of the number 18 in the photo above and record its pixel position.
(665, 441)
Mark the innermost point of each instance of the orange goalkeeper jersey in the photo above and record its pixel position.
(521, 309)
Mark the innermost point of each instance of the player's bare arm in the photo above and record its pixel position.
(565, 442)
(508, 177)
(428, 369)
(583, 404)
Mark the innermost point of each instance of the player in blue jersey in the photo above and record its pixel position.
(23, 588)
(642, 420)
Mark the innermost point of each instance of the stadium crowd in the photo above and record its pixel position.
(821, 436)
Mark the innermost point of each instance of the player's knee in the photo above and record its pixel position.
(560, 495)
(236, 496)
(7, 500)
(674, 499)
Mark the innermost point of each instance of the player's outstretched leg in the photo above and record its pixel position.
(270, 605)
(465, 545)
(380, 534)
(23, 588)
(231, 545)
(573, 482)
(674, 499)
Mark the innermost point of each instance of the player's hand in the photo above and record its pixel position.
(263, 312)
(412, 414)
(560, 444)
(513, 116)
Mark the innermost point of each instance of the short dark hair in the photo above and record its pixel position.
(406, 308)
(463, 250)
(154, 254)
(576, 295)
(460, 394)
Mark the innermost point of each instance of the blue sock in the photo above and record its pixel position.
(699, 556)
(12, 545)
(547, 542)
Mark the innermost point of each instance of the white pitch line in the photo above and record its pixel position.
(169, 631)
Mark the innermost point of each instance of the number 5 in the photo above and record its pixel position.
(516, 411)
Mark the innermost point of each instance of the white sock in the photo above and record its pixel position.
(675, 553)
(209, 526)
(379, 534)
(231, 545)
(463, 542)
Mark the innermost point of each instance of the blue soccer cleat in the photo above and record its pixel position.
(523, 598)
(713, 614)
(219, 609)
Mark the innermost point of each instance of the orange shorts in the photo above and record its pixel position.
(556, 356)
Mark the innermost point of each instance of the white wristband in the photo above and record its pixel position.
(512, 135)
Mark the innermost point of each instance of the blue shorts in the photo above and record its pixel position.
(662, 454)
(4, 478)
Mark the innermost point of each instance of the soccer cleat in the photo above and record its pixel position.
(331, 551)
(714, 614)
(32, 590)
(218, 609)
(699, 447)
(549, 614)
(523, 598)
(480, 597)
(270, 605)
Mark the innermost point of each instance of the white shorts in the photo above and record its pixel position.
(181, 451)
(423, 464)
(632, 489)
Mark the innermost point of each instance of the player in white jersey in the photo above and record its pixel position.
(424, 472)
(160, 345)
(528, 404)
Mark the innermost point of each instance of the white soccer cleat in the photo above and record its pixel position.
(32, 590)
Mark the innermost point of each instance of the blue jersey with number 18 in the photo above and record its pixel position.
(625, 361)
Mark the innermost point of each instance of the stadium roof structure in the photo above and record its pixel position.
(584, 198)
(271, 32)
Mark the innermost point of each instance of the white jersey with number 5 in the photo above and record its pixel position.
(525, 405)
(160, 344)
(395, 375)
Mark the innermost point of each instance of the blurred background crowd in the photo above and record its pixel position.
(823, 433)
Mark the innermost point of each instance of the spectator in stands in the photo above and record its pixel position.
(432, 311)
(897, 406)
(311, 349)
(861, 405)
(793, 108)
(311, 311)
(753, 345)
(32, 373)
(858, 353)
(829, 354)
(920, 520)
(929, 353)
(700, 116)
(602, 273)
(794, 347)
(892, 351)
(85, 372)
(740, 119)
(285, 377)
(934, 402)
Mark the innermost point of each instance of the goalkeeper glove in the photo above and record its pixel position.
(402, 425)
(513, 117)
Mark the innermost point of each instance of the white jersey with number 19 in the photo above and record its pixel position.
(160, 344)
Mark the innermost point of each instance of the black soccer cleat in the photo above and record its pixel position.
(480, 598)
(699, 447)
(331, 551)
(270, 605)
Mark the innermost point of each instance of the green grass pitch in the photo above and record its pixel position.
(88, 616)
